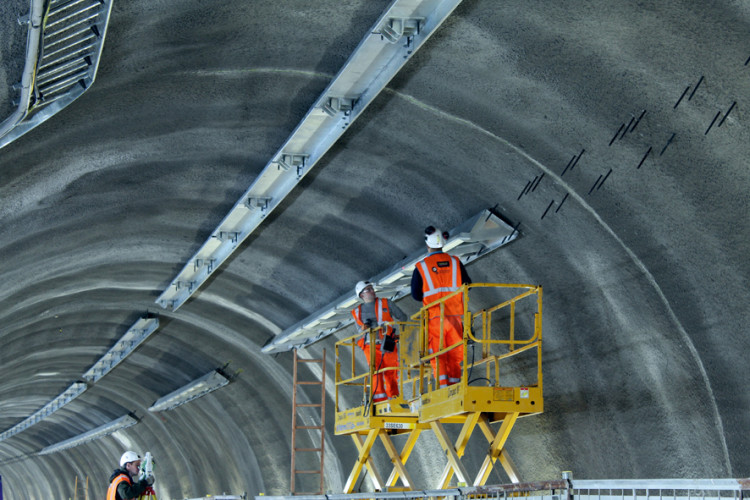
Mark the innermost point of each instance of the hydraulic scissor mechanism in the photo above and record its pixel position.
(501, 380)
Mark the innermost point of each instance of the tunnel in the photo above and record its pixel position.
(611, 137)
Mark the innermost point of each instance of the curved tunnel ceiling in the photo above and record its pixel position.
(642, 250)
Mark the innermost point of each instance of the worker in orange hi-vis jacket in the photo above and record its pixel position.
(374, 312)
(436, 276)
(124, 484)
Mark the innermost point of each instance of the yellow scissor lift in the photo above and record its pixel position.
(501, 381)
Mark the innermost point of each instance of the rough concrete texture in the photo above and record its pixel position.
(12, 48)
(645, 277)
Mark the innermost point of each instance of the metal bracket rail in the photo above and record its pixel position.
(389, 44)
(637, 489)
(470, 240)
(63, 50)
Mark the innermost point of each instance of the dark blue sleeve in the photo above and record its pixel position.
(416, 286)
(128, 492)
(396, 312)
(465, 280)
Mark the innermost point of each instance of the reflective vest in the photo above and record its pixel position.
(112, 491)
(382, 315)
(441, 276)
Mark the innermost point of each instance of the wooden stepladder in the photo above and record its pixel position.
(75, 489)
(309, 450)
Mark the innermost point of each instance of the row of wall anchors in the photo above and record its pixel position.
(624, 129)
(573, 162)
(731, 107)
(531, 185)
(629, 128)
(700, 80)
(558, 207)
(600, 183)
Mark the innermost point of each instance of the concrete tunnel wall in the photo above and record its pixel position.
(645, 276)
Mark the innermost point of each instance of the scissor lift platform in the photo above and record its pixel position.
(394, 415)
(495, 401)
(474, 402)
(365, 424)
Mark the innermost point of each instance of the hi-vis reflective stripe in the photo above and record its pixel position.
(381, 396)
(112, 491)
(431, 290)
(379, 312)
(357, 312)
(446, 380)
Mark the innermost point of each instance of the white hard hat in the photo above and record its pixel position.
(127, 457)
(361, 285)
(435, 238)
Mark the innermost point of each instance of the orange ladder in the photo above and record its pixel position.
(319, 451)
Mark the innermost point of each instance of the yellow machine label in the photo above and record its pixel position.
(398, 425)
(504, 394)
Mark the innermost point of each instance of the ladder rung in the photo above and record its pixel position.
(69, 81)
(320, 450)
(57, 8)
(60, 71)
(71, 15)
(76, 54)
(70, 46)
(51, 33)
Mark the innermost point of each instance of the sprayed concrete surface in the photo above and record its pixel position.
(645, 275)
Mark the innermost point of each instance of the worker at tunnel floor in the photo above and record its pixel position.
(377, 312)
(436, 276)
(124, 484)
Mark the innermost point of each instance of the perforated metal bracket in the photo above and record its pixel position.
(469, 241)
(253, 203)
(336, 105)
(395, 28)
(287, 161)
(209, 263)
(227, 236)
(360, 80)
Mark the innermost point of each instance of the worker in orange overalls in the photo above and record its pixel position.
(436, 276)
(375, 312)
(124, 483)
